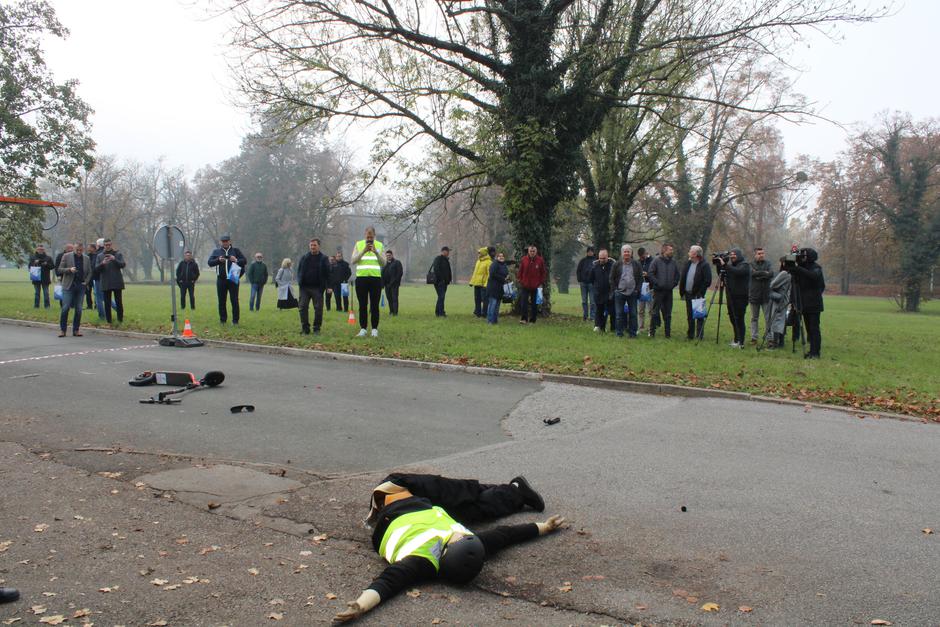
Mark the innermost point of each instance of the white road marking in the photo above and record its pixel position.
(88, 352)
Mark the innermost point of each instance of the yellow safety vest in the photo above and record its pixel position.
(423, 533)
(369, 263)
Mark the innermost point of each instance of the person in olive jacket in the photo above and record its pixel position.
(187, 273)
(758, 296)
(257, 275)
(808, 288)
(694, 281)
(109, 265)
(599, 278)
(41, 260)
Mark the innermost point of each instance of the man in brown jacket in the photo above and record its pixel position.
(75, 268)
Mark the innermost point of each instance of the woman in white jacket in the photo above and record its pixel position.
(283, 280)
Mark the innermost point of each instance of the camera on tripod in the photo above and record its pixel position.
(724, 256)
(797, 257)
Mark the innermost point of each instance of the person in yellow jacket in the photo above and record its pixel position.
(369, 258)
(481, 274)
(418, 527)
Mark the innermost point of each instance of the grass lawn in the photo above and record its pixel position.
(874, 357)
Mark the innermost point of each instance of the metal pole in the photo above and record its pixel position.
(169, 263)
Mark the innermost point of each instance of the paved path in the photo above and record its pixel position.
(806, 517)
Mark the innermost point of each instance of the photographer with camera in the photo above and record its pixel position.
(808, 287)
(737, 273)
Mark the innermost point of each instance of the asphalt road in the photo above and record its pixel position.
(808, 517)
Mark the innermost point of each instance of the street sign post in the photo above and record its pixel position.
(169, 244)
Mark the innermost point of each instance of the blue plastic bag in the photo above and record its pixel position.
(699, 310)
(344, 289)
(626, 307)
(234, 273)
(539, 299)
(645, 295)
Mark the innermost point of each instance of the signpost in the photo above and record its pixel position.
(169, 244)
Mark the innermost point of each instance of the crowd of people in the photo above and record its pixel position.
(619, 293)
(82, 274)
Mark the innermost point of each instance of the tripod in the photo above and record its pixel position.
(719, 291)
(796, 302)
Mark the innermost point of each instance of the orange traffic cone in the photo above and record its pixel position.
(188, 330)
(352, 317)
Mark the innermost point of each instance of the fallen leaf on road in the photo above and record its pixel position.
(306, 553)
(183, 540)
(330, 596)
(436, 621)
(110, 475)
(927, 531)
(679, 592)
(692, 599)
(48, 594)
(54, 619)
(880, 621)
(253, 571)
(105, 590)
(593, 578)
(10, 621)
(268, 544)
(5, 545)
(746, 609)
(275, 616)
(158, 623)
(40, 527)
(414, 594)
(640, 607)
(511, 579)
(301, 567)
(209, 549)
(38, 609)
(159, 582)
(191, 580)
(320, 538)
(78, 517)
(81, 613)
(565, 588)
(711, 607)
(276, 602)
(213, 505)
(173, 587)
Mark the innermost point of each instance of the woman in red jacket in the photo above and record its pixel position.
(531, 276)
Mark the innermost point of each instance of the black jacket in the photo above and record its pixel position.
(340, 272)
(392, 273)
(810, 284)
(45, 264)
(663, 274)
(187, 273)
(737, 276)
(499, 272)
(222, 268)
(58, 258)
(313, 271)
(761, 275)
(600, 281)
(584, 269)
(441, 269)
(616, 271)
(701, 282)
(110, 273)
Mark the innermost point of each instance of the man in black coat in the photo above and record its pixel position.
(694, 280)
(41, 260)
(109, 270)
(392, 274)
(808, 288)
(442, 278)
(313, 279)
(339, 274)
(583, 273)
(737, 284)
(187, 273)
(663, 277)
(222, 259)
(599, 278)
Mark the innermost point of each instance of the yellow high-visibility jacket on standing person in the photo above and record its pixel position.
(481, 271)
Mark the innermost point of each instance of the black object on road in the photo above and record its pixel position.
(551, 421)
(211, 380)
(238, 409)
(9, 595)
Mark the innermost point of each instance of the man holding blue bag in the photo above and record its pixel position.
(229, 263)
(694, 280)
(39, 266)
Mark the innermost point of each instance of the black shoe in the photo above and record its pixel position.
(305, 331)
(316, 331)
(529, 496)
(9, 595)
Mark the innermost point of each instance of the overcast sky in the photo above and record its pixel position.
(155, 74)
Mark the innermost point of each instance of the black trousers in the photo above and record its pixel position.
(337, 296)
(527, 304)
(308, 294)
(391, 293)
(116, 296)
(662, 308)
(191, 290)
(227, 290)
(369, 291)
(479, 300)
(441, 289)
(467, 500)
(696, 327)
(602, 313)
(813, 334)
(737, 310)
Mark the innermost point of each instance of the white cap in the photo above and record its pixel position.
(100, 241)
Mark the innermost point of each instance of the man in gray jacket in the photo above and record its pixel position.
(76, 275)
(663, 277)
(758, 296)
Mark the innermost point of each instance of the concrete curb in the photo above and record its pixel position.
(621, 385)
